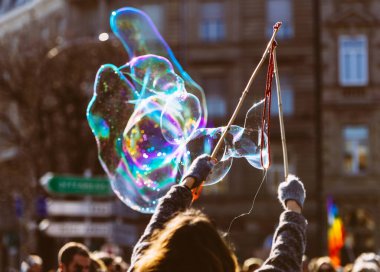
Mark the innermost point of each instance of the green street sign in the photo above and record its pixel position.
(74, 185)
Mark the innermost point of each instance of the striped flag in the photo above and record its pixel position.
(335, 232)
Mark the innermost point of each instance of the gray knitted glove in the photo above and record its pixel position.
(199, 169)
(291, 189)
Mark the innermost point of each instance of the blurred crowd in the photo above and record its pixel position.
(75, 257)
(181, 239)
(366, 262)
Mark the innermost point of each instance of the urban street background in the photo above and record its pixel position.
(50, 51)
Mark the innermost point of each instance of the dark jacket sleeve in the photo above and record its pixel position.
(178, 198)
(289, 244)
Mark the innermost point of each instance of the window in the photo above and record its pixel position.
(353, 60)
(215, 90)
(360, 228)
(156, 14)
(280, 10)
(7, 5)
(212, 23)
(355, 149)
(287, 97)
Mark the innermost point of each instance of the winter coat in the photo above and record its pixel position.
(289, 240)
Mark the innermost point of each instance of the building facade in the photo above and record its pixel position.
(350, 64)
(219, 43)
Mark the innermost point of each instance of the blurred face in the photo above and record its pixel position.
(78, 264)
(35, 268)
(326, 268)
(111, 267)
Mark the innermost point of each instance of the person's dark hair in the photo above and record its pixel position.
(107, 260)
(97, 265)
(251, 264)
(69, 250)
(321, 264)
(188, 242)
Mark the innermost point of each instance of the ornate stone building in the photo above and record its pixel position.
(219, 43)
(351, 110)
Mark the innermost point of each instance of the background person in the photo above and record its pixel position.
(32, 263)
(74, 257)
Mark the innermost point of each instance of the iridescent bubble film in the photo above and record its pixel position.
(149, 119)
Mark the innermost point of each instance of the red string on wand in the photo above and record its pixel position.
(265, 122)
(269, 49)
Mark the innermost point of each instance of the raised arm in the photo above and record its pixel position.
(177, 199)
(289, 240)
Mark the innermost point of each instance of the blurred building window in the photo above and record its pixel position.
(287, 98)
(7, 5)
(212, 26)
(360, 230)
(156, 14)
(280, 10)
(276, 174)
(353, 60)
(215, 89)
(356, 149)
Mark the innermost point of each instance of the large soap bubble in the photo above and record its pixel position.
(148, 117)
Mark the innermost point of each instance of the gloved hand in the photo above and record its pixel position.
(199, 169)
(291, 189)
